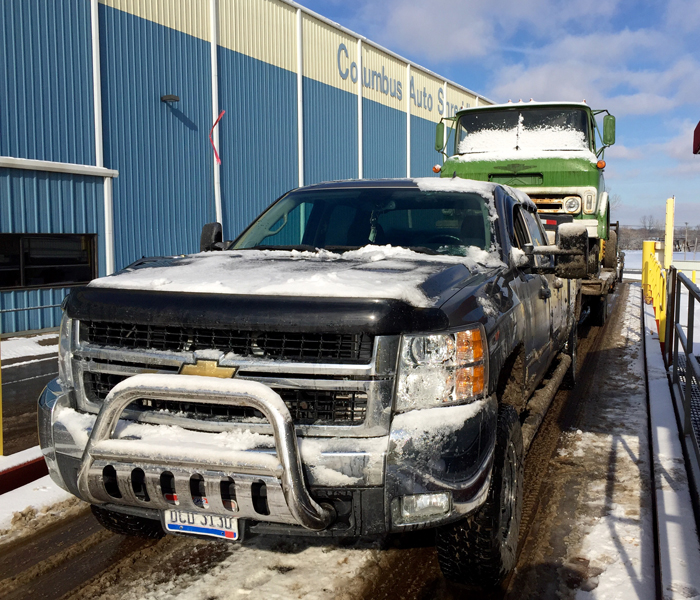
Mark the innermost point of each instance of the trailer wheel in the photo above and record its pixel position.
(599, 310)
(594, 259)
(481, 550)
(569, 381)
(610, 256)
(123, 524)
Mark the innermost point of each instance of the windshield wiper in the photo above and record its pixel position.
(301, 247)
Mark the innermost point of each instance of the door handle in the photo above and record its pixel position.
(558, 283)
(545, 293)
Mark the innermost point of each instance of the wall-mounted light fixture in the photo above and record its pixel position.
(170, 98)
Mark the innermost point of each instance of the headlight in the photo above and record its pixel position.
(65, 353)
(438, 369)
(572, 204)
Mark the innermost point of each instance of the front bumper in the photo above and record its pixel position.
(309, 482)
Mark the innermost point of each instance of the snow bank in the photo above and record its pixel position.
(20, 347)
(369, 272)
(24, 509)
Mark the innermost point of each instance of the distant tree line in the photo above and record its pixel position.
(651, 228)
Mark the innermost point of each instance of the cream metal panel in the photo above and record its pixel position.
(457, 99)
(330, 55)
(261, 29)
(383, 78)
(187, 16)
(427, 96)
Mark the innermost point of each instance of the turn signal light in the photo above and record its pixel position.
(470, 346)
(437, 169)
(601, 164)
(469, 382)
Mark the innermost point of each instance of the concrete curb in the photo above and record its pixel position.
(21, 468)
(679, 545)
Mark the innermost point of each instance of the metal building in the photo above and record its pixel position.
(106, 112)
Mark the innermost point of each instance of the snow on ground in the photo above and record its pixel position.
(20, 347)
(28, 507)
(613, 533)
(273, 569)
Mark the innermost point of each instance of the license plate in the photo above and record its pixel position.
(183, 521)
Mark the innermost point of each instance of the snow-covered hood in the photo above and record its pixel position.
(370, 272)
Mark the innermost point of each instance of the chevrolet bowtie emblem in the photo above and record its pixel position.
(208, 368)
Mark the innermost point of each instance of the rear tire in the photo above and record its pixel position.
(481, 550)
(610, 256)
(123, 524)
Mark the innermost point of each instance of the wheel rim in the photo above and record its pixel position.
(508, 491)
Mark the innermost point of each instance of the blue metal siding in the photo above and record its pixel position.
(330, 133)
(40, 202)
(258, 137)
(164, 192)
(46, 81)
(36, 318)
(384, 141)
(423, 155)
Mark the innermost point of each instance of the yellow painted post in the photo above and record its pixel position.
(668, 240)
(647, 258)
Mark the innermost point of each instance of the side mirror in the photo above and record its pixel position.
(608, 130)
(212, 238)
(571, 257)
(440, 137)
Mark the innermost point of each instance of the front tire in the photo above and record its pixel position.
(123, 524)
(610, 256)
(481, 550)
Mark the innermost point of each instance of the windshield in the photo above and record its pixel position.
(548, 129)
(345, 219)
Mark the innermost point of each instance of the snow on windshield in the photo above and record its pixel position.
(525, 139)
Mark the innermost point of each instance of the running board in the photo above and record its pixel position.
(541, 400)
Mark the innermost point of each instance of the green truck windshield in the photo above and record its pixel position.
(519, 128)
(345, 219)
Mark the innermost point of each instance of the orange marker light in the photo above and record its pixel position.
(437, 169)
(470, 347)
(469, 382)
(601, 164)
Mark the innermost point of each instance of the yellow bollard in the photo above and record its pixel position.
(693, 276)
(648, 249)
(668, 240)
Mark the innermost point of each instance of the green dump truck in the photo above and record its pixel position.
(553, 151)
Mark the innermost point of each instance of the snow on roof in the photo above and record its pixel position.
(521, 104)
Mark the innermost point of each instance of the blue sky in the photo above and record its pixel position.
(640, 60)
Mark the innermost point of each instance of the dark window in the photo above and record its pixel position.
(443, 222)
(537, 235)
(46, 260)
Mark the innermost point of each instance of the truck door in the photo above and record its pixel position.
(536, 293)
(559, 289)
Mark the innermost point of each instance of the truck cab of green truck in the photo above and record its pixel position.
(553, 151)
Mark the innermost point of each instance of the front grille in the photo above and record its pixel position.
(355, 348)
(307, 407)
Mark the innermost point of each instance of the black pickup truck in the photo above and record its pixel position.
(367, 357)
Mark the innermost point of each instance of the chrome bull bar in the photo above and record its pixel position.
(210, 390)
